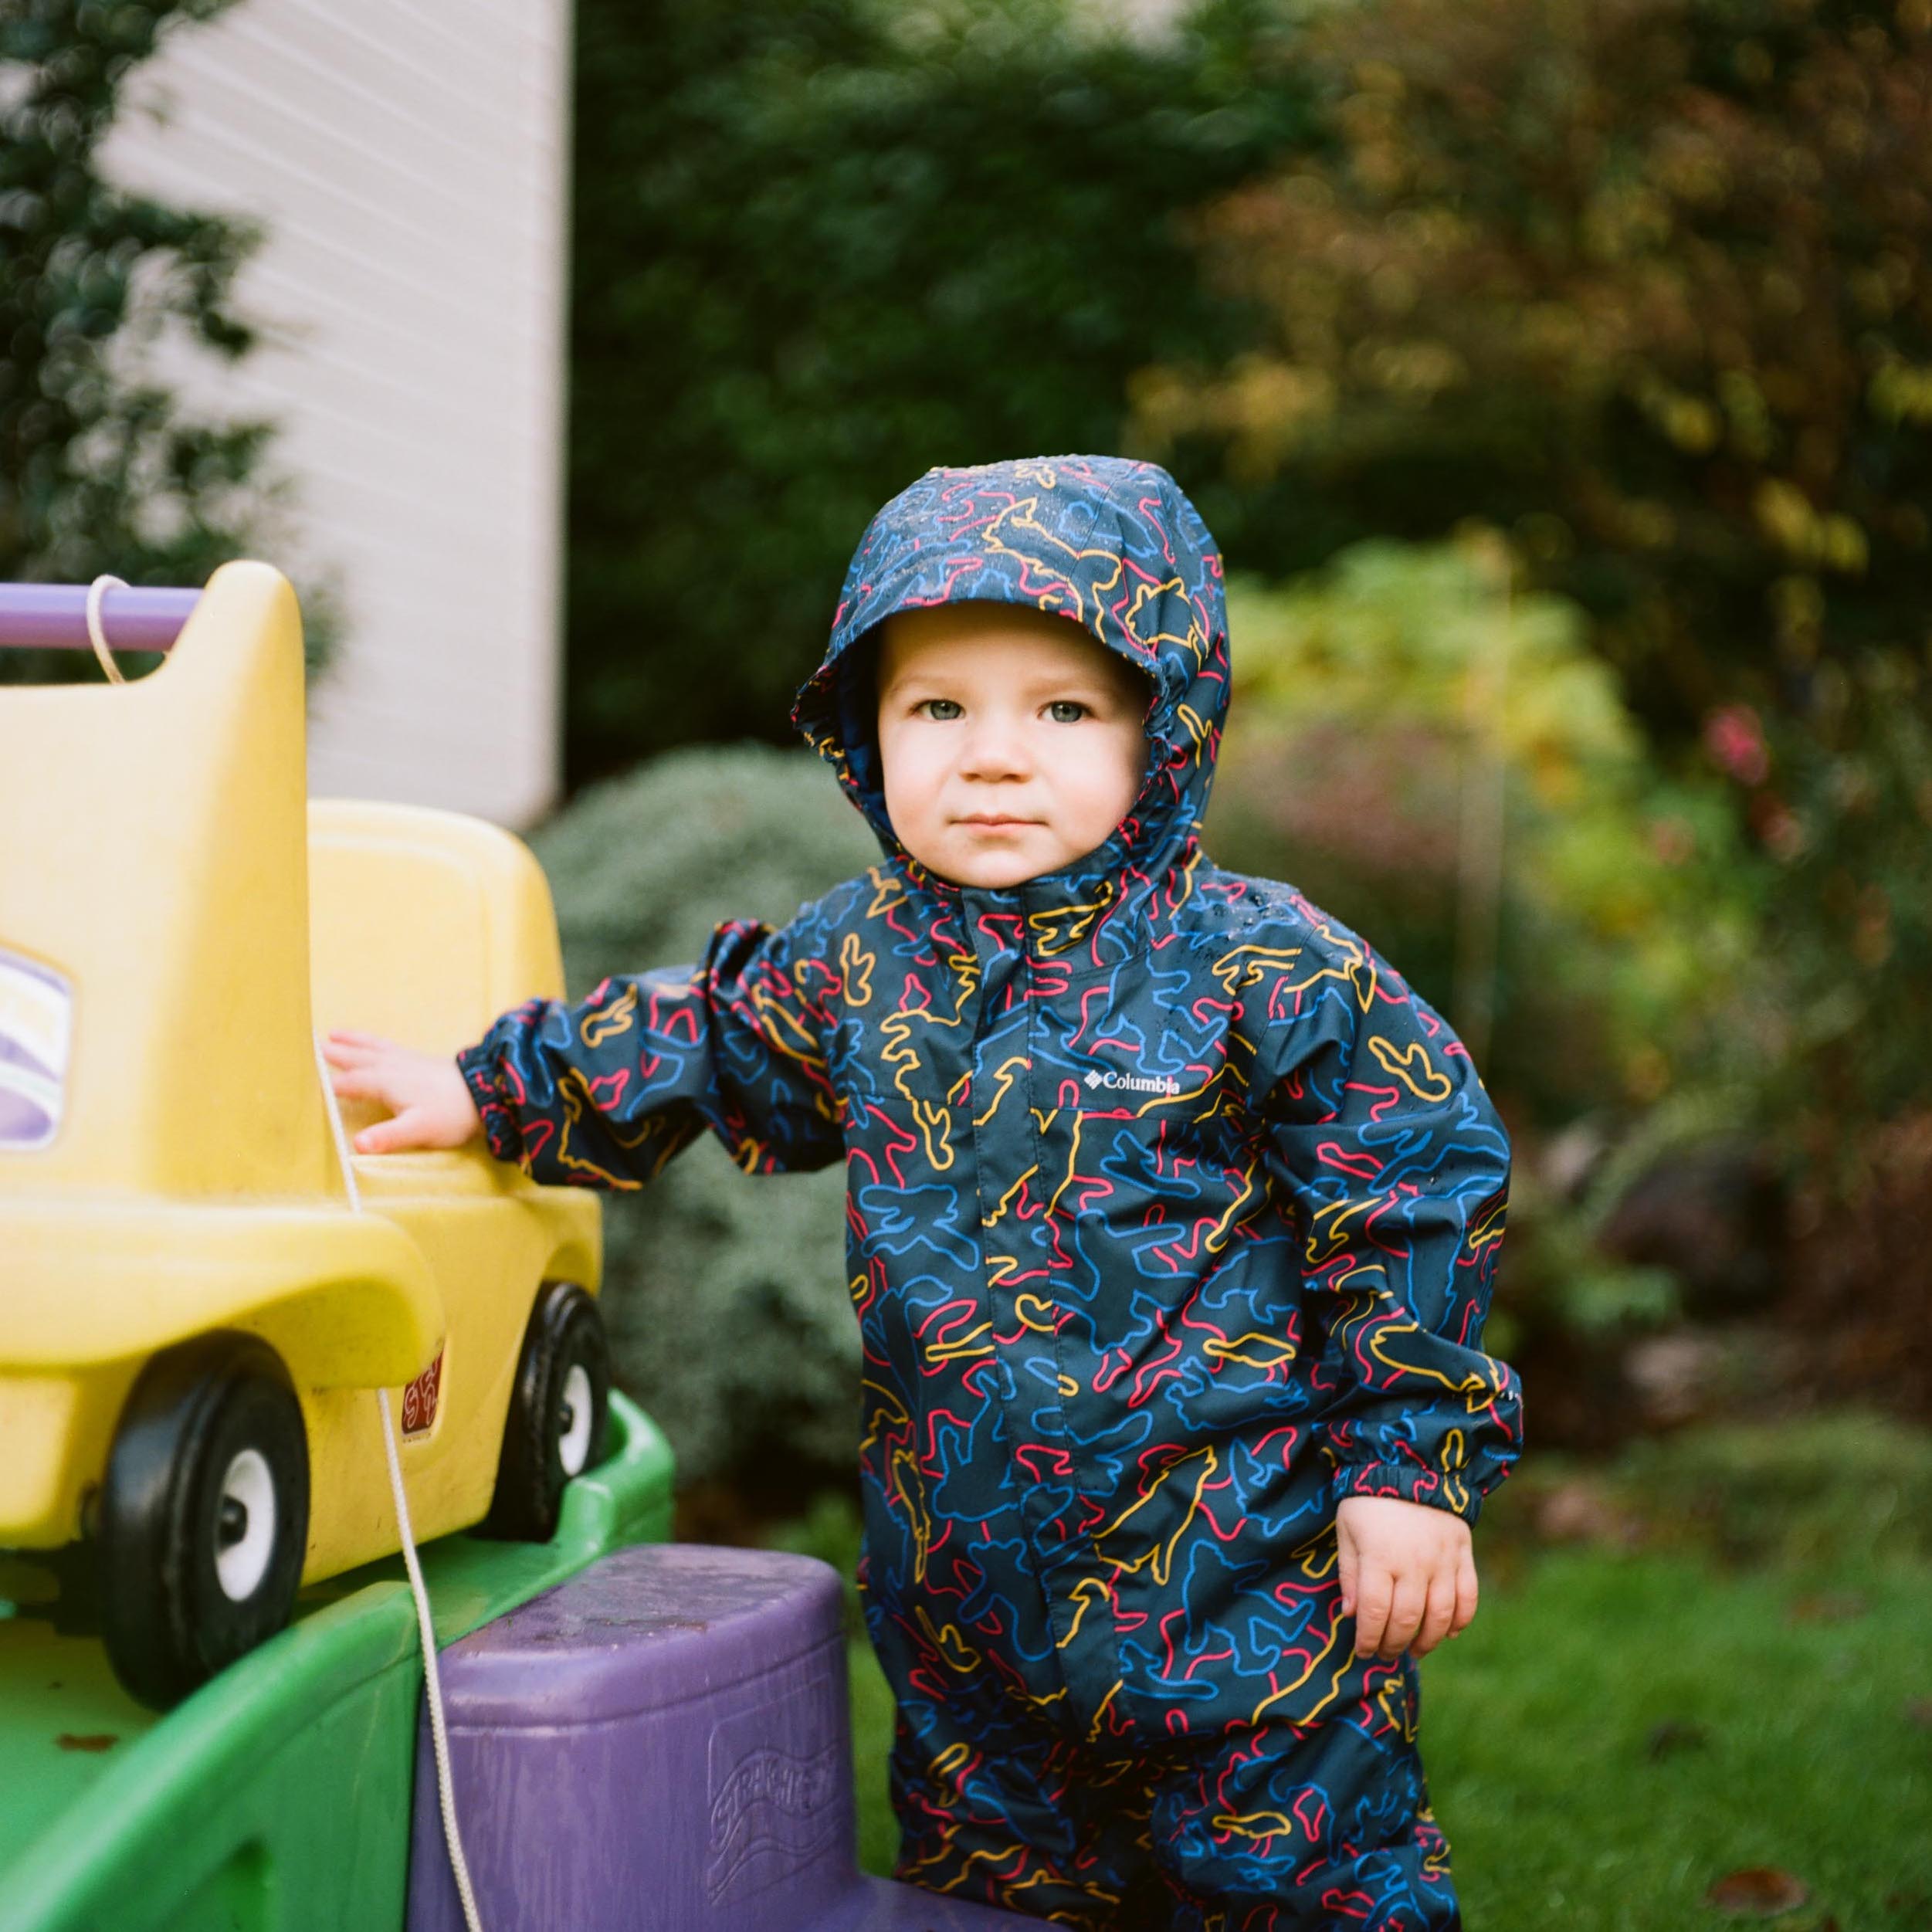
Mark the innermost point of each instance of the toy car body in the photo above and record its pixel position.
(176, 919)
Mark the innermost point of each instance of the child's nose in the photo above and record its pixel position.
(994, 751)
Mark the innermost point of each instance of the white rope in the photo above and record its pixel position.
(97, 632)
(432, 1676)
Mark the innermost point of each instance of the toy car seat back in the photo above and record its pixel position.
(426, 925)
(154, 918)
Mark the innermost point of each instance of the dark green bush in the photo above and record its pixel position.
(820, 248)
(101, 468)
(725, 1296)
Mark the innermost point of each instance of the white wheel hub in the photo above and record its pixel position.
(245, 1526)
(573, 1446)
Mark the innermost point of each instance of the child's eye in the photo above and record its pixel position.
(943, 711)
(1066, 711)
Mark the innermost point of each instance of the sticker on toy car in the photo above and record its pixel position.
(419, 1400)
(36, 1009)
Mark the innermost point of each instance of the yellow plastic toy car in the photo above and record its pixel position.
(193, 1316)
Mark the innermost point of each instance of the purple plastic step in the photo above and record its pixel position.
(660, 1745)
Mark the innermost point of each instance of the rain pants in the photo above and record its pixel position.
(1173, 1213)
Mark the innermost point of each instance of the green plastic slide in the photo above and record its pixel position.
(278, 1797)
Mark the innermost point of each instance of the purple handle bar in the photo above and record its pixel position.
(54, 617)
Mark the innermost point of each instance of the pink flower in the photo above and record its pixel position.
(1734, 737)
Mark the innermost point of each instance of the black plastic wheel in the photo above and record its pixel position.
(203, 1517)
(558, 1411)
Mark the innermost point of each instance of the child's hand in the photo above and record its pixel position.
(1406, 1568)
(426, 1093)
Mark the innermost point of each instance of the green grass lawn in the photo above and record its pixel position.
(1537, 1723)
(1776, 1615)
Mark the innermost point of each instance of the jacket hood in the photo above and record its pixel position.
(1112, 545)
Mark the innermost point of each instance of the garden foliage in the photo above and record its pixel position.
(1374, 700)
(101, 468)
(1648, 286)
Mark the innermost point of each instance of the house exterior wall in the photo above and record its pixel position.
(408, 161)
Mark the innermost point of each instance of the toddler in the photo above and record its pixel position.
(1173, 1214)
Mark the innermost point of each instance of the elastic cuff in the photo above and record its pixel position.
(1409, 1482)
(494, 1105)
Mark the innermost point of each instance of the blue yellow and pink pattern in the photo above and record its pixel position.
(1172, 1217)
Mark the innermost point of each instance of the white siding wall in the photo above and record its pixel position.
(408, 159)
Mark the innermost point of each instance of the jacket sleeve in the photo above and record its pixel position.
(603, 1093)
(1382, 1134)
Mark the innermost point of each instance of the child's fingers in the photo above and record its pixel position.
(1405, 1613)
(1347, 1564)
(1375, 1595)
(355, 1083)
(339, 1052)
(1438, 1614)
(1465, 1593)
(387, 1136)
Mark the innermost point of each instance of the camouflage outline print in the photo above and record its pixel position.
(1242, 1830)
(1173, 1215)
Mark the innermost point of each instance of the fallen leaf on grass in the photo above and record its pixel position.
(1919, 1712)
(87, 1740)
(1827, 1606)
(1760, 1890)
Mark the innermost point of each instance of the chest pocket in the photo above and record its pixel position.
(1142, 1166)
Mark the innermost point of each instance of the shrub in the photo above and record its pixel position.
(820, 248)
(102, 469)
(1443, 763)
(726, 1296)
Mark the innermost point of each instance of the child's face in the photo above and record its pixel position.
(1011, 742)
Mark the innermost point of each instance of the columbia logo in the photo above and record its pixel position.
(1132, 1083)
